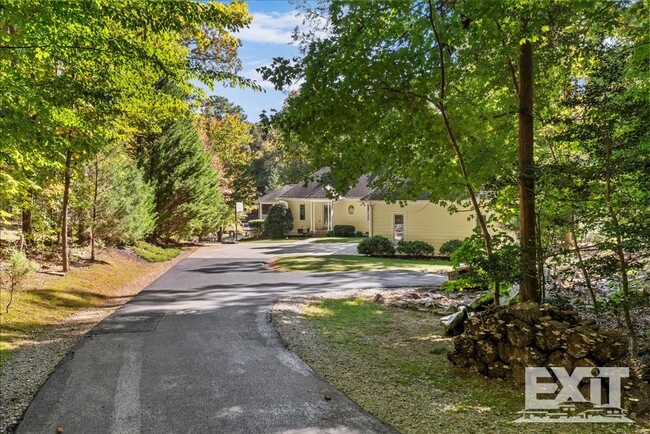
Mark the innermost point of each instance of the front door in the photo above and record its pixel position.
(326, 216)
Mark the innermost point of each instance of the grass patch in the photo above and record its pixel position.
(43, 301)
(329, 263)
(393, 363)
(326, 240)
(153, 253)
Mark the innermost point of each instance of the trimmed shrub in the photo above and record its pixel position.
(449, 247)
(414, 248)
(376, 246)
(330, 233)
(257, 227)
(344, 231)
(279, 222)
(360, 234)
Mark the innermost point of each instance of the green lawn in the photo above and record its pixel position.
(350, 240)
(153, 253)
(321, 263)
(393, 363)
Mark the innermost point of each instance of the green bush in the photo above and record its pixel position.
(344, 231)
(450, 247)
(17, 269)
(414, 248)
(279, 222)
(502, 267)
(257, 227)
(376, 246)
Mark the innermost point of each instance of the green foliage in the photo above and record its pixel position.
(482, 271)
(344, 231)
(125, 201)
(376, 245)
(16, 269)
(414, 248)
(257, 227)
(188, 201)
(279, 221)
(153, 253)
(449, 247)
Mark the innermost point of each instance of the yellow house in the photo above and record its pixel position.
(362, 206)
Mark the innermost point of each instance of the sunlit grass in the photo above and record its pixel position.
(43, 301)
(393, 363)
(153, 253)
(330, 263)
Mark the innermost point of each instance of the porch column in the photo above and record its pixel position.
(259, 212)
(370, 219)
(331, 211)
(313, 217)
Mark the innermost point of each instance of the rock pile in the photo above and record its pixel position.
(502, 341)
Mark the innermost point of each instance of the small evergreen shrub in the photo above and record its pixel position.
(279, 222)
(17, 268)
(450, 247)
(376, 246)
(414, 248)
(344, 231)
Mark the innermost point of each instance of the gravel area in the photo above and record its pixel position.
(24, 374)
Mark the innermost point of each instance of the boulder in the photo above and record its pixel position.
(610, 345)
(486, 352)
(520, 333)
(498, 370)
(579, 340)
(561, 359)
(527, 311)
(464, 345)
(548, 336)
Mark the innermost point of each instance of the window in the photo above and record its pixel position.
(351, 209)
(398, 227)
(302, 212)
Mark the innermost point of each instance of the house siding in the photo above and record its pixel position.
(294, 206)
(423, 221)
(357, 219)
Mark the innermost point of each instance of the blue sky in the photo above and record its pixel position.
(267, 37)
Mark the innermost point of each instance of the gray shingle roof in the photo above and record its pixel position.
(316, 188)
(275, 194)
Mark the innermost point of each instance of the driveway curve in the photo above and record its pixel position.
(196, 352)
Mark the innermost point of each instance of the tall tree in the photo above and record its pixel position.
(75, 76)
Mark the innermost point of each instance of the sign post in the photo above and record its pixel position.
(239, 208)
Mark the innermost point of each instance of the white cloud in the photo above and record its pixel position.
(271, 28)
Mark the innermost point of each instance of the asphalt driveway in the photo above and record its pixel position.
(196, 352)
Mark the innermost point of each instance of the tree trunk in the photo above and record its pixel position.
(454, 143)
(582, 267)
(529, 290)
(65, 262)
(618, 250)
(94, 217)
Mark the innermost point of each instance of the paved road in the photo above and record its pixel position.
(195, 352)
